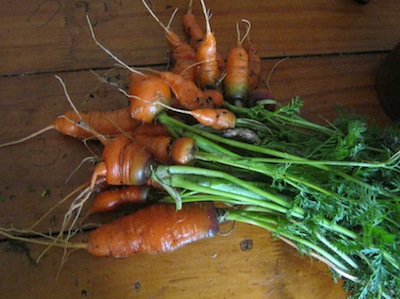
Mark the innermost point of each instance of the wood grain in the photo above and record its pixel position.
(44, 38)
(46, 35)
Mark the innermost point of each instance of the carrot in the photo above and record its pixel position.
(183, 150)
(219, 119)
(124, 163)
(206, 55)
(146, 95)
(254, 70)
(196, 34)
(183, 55)
(158, 228)
(146, 91)
(235, 80)
(192, 28)
(158, 146)
(110, 199)
(151, 129)
(214, 96)
(188, 95)
(87, 124)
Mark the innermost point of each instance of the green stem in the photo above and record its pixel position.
(236, 215)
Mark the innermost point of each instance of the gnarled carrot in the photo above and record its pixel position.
(124, 163)
(146, 96)
(188, 95)
(158, 228)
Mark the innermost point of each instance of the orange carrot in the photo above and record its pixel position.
(183, 55)
(235, 81)
(254, 70)
(110, 122)
(146, 96)
(217, 118)
(158, 146)
(124, 163)
(183, 150)
(214, 96)
(110, 199)
(192, 28)
(158, 228)
(206, 56)
(220, 119)
(151, 129)
(188, 95)
(84, 124)
(196, 34)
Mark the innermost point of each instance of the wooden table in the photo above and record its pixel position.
(334, 49)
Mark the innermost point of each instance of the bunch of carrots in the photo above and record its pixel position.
(205, 131)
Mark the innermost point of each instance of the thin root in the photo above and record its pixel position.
(108, 51)
(272, 72)
(48, 128)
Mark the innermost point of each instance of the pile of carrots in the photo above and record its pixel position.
(198, 84)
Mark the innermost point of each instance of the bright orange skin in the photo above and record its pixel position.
(156, 229)
(146, 96)
(110, 199)
(110, 122)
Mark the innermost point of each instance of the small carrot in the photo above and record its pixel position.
(206, 56)
(192, 27)
(183, 151)
(254, 69)
(188, 95)
(158, 146)
(151, 129)
(146, 96)
(110, 122)
(88, 124)
(158, 228)
(237, 64)
(110, 199)
(183, 55)
(146, 93)
(220, 119)
(123, 163)
(217, 118)
(214, 96)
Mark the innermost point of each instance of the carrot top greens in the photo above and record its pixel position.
(331, 191)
